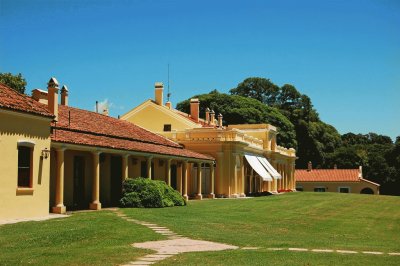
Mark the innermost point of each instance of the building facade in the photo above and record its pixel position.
(248, 159)
(57, 158)
(334, 180)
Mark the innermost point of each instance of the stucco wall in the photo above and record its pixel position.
(15, 203)
(355, 187)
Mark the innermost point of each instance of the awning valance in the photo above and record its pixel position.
(258, 167)
(272, 171)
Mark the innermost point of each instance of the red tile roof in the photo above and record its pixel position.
(327, 175)
(12, 100)
(83, 127)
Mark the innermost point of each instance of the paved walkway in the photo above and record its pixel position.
(174, 244)
(42, 218)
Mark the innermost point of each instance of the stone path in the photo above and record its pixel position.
(174, 244)
(333, 250)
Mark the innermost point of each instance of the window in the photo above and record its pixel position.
(344, 189)
(25, 166)
(319, 189)
(167, 127)
(299, 188)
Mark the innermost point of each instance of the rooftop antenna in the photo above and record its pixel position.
(168, 94)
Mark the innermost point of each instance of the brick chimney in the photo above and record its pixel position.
(194, 109)
(52, 91)
(64, 95)
(159, 91)
(309, 166)
(212, 117)
(220, 120)
(208, 115)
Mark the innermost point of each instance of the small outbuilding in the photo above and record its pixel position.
(334, 180)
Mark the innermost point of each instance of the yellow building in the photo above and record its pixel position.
(334, 180)
(248, 159)
(57, 158)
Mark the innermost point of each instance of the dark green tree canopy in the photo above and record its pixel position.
(240, 110)
(16, 82)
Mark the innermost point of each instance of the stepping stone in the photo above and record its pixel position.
(158, 227)
(159, 256)
(394, 254)
(373, 252)
(250, 248)
(275, 249)
(322, 250)
(298, 249)
(346, 251)
(151, 259)
(140, 262)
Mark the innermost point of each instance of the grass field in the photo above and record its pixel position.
(299, 220)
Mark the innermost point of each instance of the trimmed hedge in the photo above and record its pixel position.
(146, 193)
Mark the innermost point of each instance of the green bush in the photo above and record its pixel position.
(145, 193)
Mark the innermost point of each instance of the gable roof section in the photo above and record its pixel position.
(83, 127)
(13, 100)
(183, 117)
(327, 175)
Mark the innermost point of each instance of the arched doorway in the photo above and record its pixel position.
(367, 190)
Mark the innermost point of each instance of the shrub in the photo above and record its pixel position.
(145, 193)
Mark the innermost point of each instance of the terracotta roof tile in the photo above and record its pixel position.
(12, 100)
(201, 122)
(327, 175)
(83, 127)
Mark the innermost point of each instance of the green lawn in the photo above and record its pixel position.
(302, 220)
(91, 238)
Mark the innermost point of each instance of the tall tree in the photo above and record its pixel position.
(16, 82)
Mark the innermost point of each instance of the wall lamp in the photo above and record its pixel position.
(45, 153)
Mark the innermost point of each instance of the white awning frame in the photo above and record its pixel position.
(258, 167)
(269, 168)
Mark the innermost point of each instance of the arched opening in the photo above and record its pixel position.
(367, 190)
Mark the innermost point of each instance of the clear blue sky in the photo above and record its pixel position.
(345, 54)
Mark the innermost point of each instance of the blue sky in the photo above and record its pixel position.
(345, 55)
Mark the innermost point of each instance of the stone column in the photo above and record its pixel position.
(169, 172)
(199, 196)
(149, 170)
(185, 183)
(59, 208)
(96, 205)
(212, 195)
(241, 177)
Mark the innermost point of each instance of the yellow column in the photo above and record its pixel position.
(234, 190)
(169, 172)
(212, 195)
(179, 178)
(185, 183)
(59, 208)
(269, 186)
(149, 170)
(125, 166)
(293, 179)
(96, 205)
(199, 196)
(251, 181)
(242, 193)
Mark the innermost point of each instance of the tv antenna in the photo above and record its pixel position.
(168, 94)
